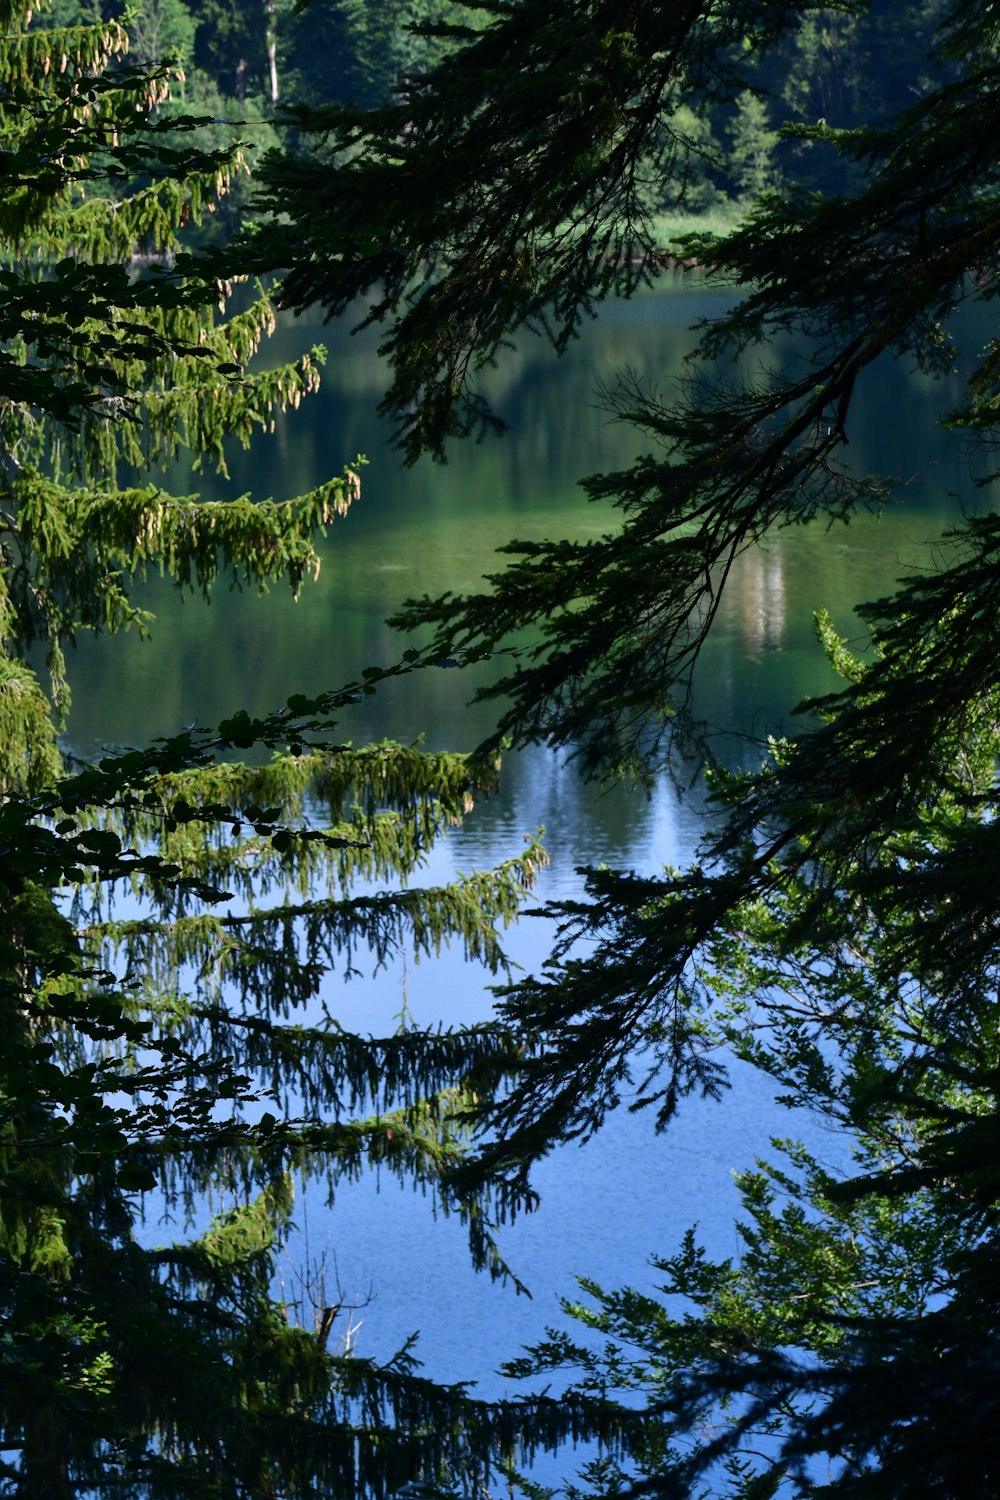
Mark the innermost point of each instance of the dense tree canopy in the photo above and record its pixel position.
(108, 374)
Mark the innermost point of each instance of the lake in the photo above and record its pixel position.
(628, 1194)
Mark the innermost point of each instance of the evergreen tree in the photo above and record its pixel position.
(342, 52)
(108, 373)
(841, 930)
(170, 1049)
(160, 30)
(752, 148)
(233, 46)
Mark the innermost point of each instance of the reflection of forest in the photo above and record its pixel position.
(436, 527)
(429, 528)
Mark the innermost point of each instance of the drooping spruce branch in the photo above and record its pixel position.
(108, 367)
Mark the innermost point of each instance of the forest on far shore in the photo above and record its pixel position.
(247, 64)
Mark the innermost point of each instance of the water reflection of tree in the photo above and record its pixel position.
(756, 599)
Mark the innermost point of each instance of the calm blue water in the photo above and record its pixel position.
(628, 1194)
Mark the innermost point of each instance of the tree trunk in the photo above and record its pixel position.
(272, 49)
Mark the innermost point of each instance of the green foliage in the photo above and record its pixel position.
(343, 52)
(107, 370)
(30, 759)
(856, 278)
(161, 30)
(752, 151)
(223, 119)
